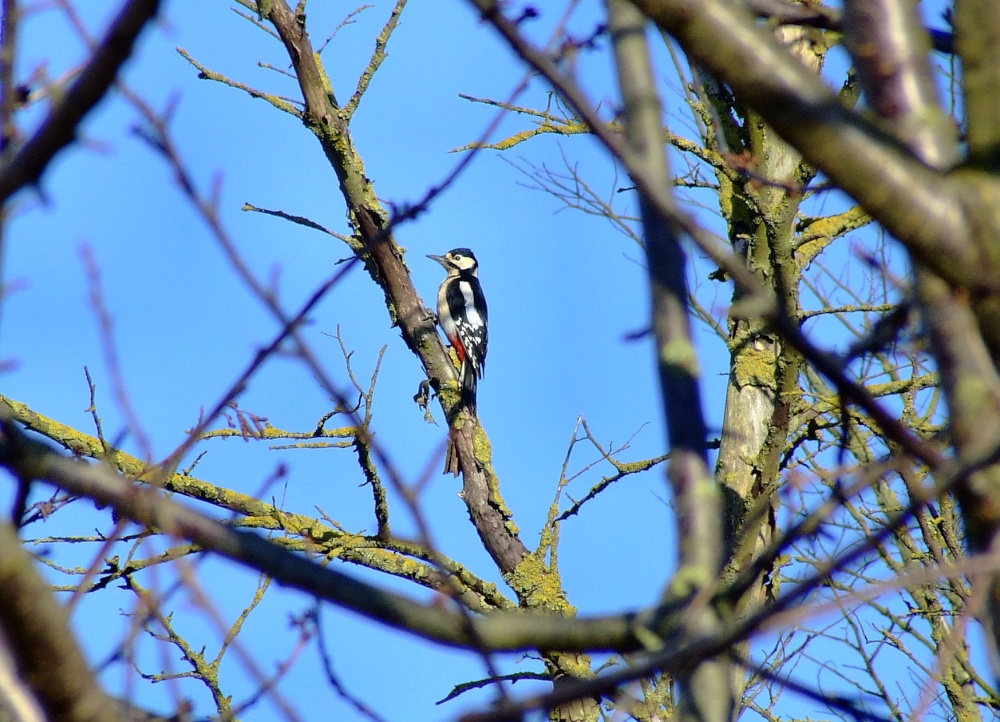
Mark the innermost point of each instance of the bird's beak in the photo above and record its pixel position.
(439, 259)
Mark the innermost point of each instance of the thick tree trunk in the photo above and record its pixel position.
(763, 379)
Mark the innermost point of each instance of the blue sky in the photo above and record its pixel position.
(564, 290)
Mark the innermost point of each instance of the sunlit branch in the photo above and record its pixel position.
(283, 104)
(376, 60)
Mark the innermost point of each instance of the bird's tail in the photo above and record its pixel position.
(470, 383)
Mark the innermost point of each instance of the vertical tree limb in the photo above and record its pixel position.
(764, 381)
(38, 633)
(889, 47)
(707, 694)
(977, 32)
(383, 258)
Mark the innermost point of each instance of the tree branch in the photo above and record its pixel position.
(707, 692)
(513, 630)
(60, 127)
(977, 24)
(37, 631)
(915, 203)
(889, 47)
(384, 260)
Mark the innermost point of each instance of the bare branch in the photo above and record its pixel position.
(708, 693)
(378, 57)
(912, 201)
(59, 129)
(511, 631)
(282, 104)
(37, 630)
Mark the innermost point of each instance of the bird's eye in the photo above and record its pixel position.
(458, 256)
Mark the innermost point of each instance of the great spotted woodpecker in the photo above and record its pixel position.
(462, 315)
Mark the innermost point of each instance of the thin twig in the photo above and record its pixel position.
(377, 58)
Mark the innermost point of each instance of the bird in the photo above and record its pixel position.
(462, 314)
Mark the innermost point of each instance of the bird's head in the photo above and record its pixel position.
(458, 260)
